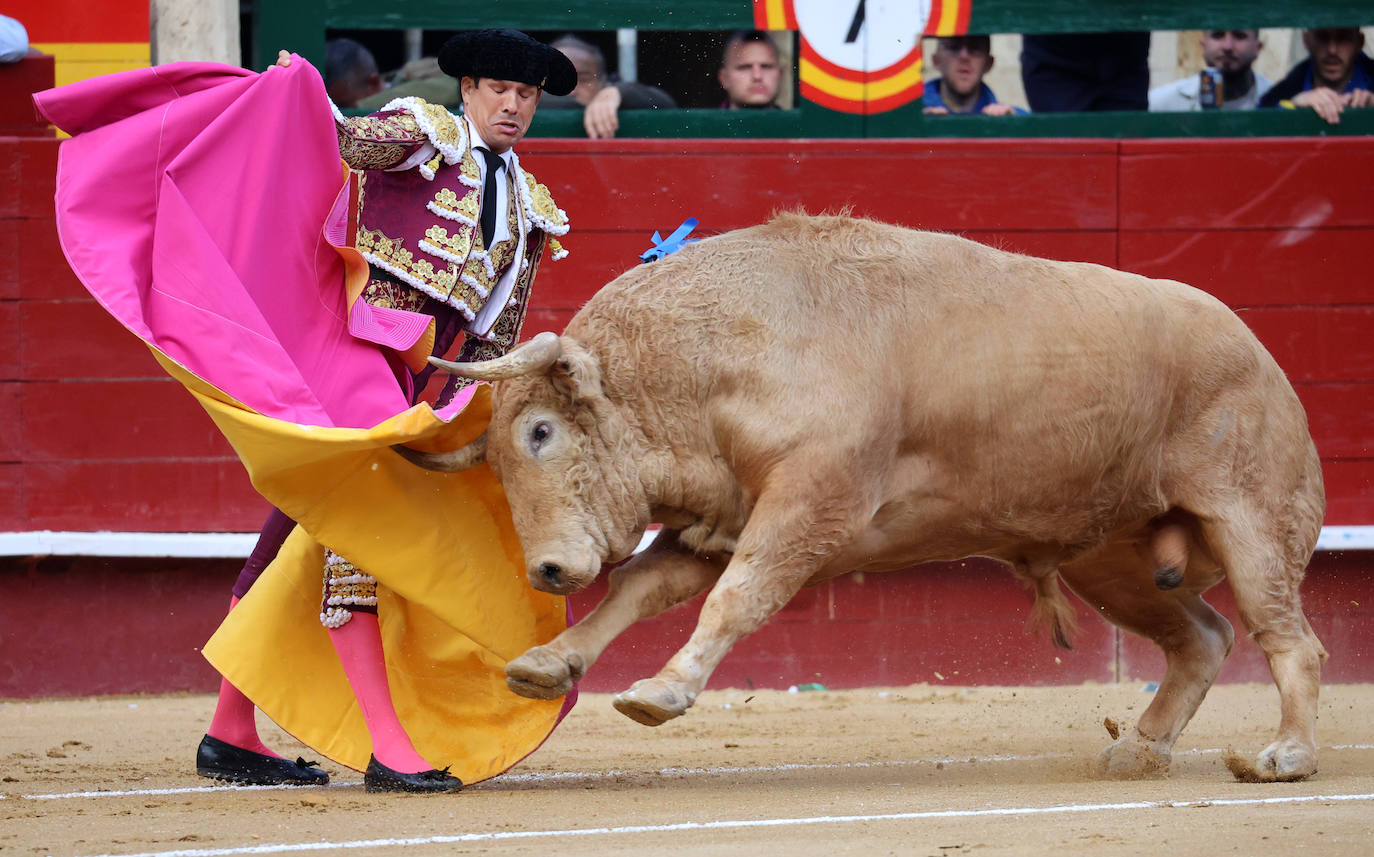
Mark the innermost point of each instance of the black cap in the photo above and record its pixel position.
(508, 55)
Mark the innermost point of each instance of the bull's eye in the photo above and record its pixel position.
(539, 434)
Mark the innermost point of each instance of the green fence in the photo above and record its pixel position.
(300, 25)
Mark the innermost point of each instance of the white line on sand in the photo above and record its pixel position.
(560, 776)
(342, 845)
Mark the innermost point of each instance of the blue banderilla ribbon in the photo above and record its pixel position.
(663, 246)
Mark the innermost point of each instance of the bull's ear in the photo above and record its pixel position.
(576, 373)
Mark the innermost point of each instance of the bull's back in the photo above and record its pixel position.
(999, 382)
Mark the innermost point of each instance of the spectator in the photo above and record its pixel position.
(750, 72)
(350, 72)
(962, 62)
(1336, 74)
(1231, 52)
(601, 94)
(14, 40)
(421, 78)
(1086, 71)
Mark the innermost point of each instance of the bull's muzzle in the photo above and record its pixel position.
(562, 573)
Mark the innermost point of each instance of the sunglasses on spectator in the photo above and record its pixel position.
(975, 47)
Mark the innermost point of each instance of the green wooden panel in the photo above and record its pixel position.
(536, 14)
(1078, 16)
(290, 25)
(299, 25)
(911, 123)
(1123, 125)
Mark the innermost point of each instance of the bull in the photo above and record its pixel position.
(820, 395)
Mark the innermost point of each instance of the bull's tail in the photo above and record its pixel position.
(1051, 609)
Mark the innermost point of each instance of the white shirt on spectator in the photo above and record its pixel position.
(1181, 96)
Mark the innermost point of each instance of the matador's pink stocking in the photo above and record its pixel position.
(359, 644)
(234, 721)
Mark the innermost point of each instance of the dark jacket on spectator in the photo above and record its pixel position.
(633, 96)
(1300, 80)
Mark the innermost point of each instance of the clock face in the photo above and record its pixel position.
(862, 35)
(862, 56)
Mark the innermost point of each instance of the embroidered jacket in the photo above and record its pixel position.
(419, 198)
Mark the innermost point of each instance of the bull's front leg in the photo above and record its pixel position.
(663, 576)
(773, 560)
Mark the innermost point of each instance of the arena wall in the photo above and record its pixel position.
(94, 437)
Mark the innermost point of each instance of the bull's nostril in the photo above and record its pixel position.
(551, 572)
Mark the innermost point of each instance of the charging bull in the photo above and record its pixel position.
(821, 395)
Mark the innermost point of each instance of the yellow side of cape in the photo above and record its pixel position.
(454, 603)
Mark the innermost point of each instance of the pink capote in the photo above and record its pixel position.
(198, 216)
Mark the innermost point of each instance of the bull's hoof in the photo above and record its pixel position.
(542, 673)
(1133, 758)
(652, 701)
(1283, 761)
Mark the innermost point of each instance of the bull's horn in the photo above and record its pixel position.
(462, 458)
(534, 356)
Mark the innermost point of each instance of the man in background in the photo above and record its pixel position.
(962, 62)
(1230, 52)
(600, 95)
(750, 71)
(419, 78)
(1337, 74)
(350, 72)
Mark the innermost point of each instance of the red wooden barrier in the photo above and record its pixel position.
(18, 82)
(73, 626)
(1281, 229)
(94, 436)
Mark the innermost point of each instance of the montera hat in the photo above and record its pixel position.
(508, 55)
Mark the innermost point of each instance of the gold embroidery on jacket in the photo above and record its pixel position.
(378, 141)
(391, 256)
(448, 205)
(544, 208)
(452, 247)
(443, 128)
(393, 294)
(506, 331)
(446, 261)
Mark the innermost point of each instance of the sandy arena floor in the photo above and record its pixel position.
(909, 771)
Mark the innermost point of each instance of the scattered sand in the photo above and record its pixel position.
(951, 764)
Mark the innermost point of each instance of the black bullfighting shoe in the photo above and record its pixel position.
(223, 761)
(380, 778)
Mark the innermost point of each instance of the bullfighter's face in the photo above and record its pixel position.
(502, 110)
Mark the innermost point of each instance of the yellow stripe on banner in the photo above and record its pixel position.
(777, 14)
(949, 16)
(84, 60)
(858, 92)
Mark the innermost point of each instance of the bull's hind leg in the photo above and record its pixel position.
(663, 576)
(1194, 638)
(1264, 576)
